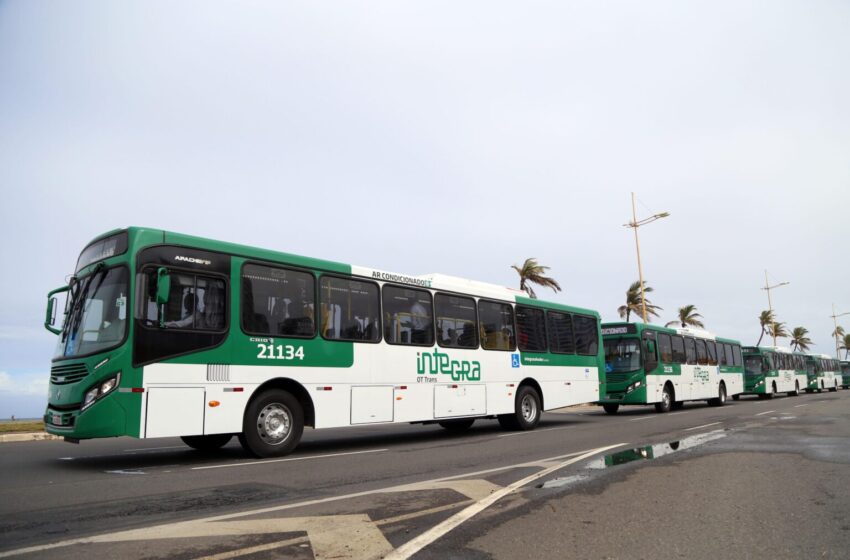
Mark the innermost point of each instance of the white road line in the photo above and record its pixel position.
(642, 418)
(765, 412)
(703, 426)
(156, 529)
(799, 405)
(228, 465)
(156, 448)
(413, 546)
(534, 431)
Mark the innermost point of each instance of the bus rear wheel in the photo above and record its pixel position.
(526, 414)
(457, 425)
(720, 400)
(796, 391)
(666, 400)
(207, 443)
(273, 424)
(611, 408)
(834, 388)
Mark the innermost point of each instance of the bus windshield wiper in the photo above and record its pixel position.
(79, 299)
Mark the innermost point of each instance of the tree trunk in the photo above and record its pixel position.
(762, 336)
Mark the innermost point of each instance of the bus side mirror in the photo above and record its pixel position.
(50, 316)
(163, 286)
(650, 346)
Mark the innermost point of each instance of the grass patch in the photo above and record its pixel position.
(21, 427)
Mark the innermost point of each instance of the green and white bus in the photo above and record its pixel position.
(824, 373)
(769, 370)
(648, 364)
(171, 335)
(845, 374)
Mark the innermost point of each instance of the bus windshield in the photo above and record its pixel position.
(753, 365)
(96, 313)
(622, 355)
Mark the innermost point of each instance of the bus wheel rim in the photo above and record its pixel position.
(274, 423)
(529, 408)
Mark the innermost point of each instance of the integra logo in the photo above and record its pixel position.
(440, 363)
(192, 260)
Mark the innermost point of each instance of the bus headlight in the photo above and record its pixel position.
(100, 390)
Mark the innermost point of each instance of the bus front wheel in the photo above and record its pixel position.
(207, 443)
(666, 400)
(526, 411)
(273, 424)
(611, 408)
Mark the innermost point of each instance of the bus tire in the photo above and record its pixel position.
(611, 408)
(460, 425)
(207, 443)
(666, 400)
(526, 414)
(273, 424)
(796, 391)
(720, 400)
(677, 405)
(834, 388)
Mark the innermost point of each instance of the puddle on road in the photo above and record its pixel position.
(644, 453)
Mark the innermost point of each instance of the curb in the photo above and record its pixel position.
(34, 436)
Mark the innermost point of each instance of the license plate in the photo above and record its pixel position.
(57, 420)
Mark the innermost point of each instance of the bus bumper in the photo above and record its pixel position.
(105, 418)
(624, 396)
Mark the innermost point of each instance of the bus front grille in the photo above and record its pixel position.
(64, 374)
(617, 377)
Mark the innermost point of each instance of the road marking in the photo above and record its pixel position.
(156, 448)
(642, 418)
(799, 405)
(176, 528)
(534, 431)
(703, 426)
(415, 545)
(765, 412)
(122, 471)
(308, 458)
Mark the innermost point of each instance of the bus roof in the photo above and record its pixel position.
(434, 281)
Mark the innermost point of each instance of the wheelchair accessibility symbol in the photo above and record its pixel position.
(515, 360)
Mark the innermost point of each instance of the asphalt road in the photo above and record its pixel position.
(753, 479)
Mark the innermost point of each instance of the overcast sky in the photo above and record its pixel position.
(436, 137)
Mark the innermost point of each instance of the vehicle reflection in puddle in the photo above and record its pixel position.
(644, 453)
(654, 451)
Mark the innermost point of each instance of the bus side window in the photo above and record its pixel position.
(739, 359)
(408, 316)
(531, 329)
(702, 354)
(650, 355)
(690, 351)
(456, 321)
(497, 325)
(587, 335)
(679, 356)
(350, 309)
(665, 348)
(712, 352)
(721, 354)
(560, 327)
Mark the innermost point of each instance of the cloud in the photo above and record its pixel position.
(24, 384)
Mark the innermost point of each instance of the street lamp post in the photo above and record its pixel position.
(835, 317)
(635, 224)
(767, 288)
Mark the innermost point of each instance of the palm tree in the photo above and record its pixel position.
(633, 302)
(688, 316)
(533, 273)
(766, 318)
(846, 346)
(838, 332)
(800, 340)
(777, 330)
